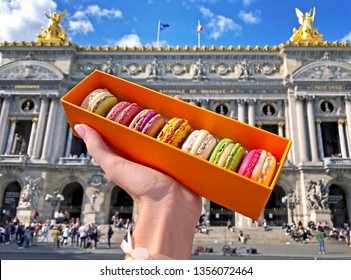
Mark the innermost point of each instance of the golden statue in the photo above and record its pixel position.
(306, 32)
(53, 33)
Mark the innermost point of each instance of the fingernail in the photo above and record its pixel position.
(80, 130)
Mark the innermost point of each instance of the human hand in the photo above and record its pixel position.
(167, 211)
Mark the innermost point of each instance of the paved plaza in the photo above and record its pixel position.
(265, 251)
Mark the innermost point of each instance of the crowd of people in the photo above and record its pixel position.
(319, 230)
(58, 231)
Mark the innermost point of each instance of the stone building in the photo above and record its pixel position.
(299, 90)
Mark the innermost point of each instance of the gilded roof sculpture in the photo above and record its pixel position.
(53, 33)
(306, 32)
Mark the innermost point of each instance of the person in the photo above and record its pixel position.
(56, 234)
(347, 236)
(320, 239)
(242, 238)
(157, 196)
(109, 235)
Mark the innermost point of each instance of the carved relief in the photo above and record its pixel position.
(132, 69)
(324, 70)
(267, 68)
(198, 70)
(29, 70)
(30, 193)
(317, 195)
(244, 70)
(176, 69)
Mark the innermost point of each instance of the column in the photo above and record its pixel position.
(342, 138)
(281, 129)
(312, 129)
(241, 110)
(301, 129)
(50, 127)
(32, 136)
(287, 122)
(348, 118)
(319, 138)
(10, 136)
(68, 142)
(3, 120)
(41, 127)
(251, 111)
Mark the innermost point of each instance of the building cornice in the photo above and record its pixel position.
(238, 48)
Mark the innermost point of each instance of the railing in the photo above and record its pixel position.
(335, 163)
(74, 161)
(13, 158)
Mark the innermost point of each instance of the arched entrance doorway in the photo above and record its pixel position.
(337, 206)
(10, 201)
(73, 194)
(121, 204)
(275, 211)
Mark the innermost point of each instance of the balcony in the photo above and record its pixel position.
(337, 164)
(74, 161)
(13, 159)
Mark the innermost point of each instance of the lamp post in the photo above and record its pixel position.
(291, 200)
(54, 199)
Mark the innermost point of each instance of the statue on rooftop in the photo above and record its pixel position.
(306, 32)
(53, 32)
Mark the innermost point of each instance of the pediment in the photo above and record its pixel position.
(30, 70)
(327, 70)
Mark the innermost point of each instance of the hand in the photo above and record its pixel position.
(167, 211)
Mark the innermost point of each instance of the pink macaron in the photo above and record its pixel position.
(148, 122)
(124, 112)
(259, 165)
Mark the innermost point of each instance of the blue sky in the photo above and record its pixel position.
(135, 22)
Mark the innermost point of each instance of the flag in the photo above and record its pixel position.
(163, 26)
(199, 28)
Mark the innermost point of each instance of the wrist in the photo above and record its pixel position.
(166, 230)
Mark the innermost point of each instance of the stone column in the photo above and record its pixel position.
(251, 111)
(312, 129)
(38, 141)
(50, 127)
(32, 136)
(3, 120)
(301, 128)
(241, 110)
(342, 138)
(10, 136)
(68, 143)
(281, 129)
(348, 118)
(319, 138)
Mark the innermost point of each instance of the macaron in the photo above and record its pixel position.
(99, 101)
(259, 165)
(175, 132)
(148, 122)
(124, 112)
(200, 143)
(228, 154)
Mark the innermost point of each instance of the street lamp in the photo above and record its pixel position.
(54, 199)
(291, 200)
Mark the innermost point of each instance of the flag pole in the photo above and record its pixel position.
(158, 33)
(198, 34)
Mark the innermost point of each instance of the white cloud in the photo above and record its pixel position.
(248, 2)
(219, 24)
(22, 20)
(129, 40)
(249, 17)
(347, 38)
(80, 22)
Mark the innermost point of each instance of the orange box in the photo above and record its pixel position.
(217, 184)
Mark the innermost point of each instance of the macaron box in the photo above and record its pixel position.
(213, 182)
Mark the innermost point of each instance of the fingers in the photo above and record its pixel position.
(179, 97)
(107, 159)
